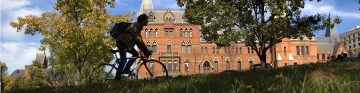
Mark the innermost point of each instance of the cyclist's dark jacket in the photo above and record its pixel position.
(129, 34)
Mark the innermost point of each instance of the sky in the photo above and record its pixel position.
(18, 49)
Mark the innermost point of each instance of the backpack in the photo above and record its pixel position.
(119, 28)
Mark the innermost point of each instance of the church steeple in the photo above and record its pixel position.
(328, 27)
(146, 7)
(331, 32)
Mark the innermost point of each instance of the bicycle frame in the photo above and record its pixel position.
(141, 57)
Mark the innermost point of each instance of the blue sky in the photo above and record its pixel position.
(18, 50)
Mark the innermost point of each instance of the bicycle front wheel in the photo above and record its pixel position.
(151, 69)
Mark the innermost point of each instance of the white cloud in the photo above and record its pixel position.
(326, 8)
(18, 54)
(13, 50)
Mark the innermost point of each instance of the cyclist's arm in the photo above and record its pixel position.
(138, 39)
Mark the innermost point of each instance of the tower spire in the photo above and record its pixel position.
(146, 7)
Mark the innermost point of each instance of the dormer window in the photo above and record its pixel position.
(151, 17)
(168, 17)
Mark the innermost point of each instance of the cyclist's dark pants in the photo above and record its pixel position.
(123, 49)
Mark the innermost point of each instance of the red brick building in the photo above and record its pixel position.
(178, 45)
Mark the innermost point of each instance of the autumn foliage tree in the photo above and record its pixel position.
(75, 33)
(260, 24)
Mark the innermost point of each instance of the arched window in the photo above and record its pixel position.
(154, 47)
(181, 32)
(146, 33)
(187, 65)
(239, 64)
(206, 67)
(227, 64)
(156, 32)
(151, 17)
(189, 49)
(151, 33)
(216, 63)
(251, 63)
(190, 33)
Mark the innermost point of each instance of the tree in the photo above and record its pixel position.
(75, 32)
(3, 69)
(260, 24)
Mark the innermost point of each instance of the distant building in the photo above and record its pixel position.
(41, 58)
(179, 45)
(17, 73)
(330, 45)
(351, 40)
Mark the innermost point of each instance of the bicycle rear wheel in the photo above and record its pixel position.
(107, 72)
(151, 69)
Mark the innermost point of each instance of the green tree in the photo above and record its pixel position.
(75, 32)
(260, 24)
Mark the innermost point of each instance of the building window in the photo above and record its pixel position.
(248, 50)
(183, 49)
(146, 33)
(169, 65)
(236, 50)
(354, 40)
(227, 65)
(302, 50)
(317, 56)
(323, 57)
(151, 66)
(297, 50)
(186, 64)
(189, 49)
(240, 50)
(168, 48)
(171, 33)
(149, 47)
(284, 50)
(239, 65)
(154, 48)
(190, 33)
(166, 34)
(213, 50)
(156, 32)
(328, 57)
(181, 32)
(175, 65)
(164, 63)
(307, 50)
(216, 66)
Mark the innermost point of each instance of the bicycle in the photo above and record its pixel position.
(143, 68)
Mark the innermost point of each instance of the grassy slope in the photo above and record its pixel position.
(314, 78)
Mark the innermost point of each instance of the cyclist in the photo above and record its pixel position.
(127, 35)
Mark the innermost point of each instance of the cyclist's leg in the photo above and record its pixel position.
(131, 61)
(122, 49)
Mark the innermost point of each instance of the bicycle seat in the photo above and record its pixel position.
(114, 51)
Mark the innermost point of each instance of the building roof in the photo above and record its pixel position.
(160, 16)
(17, 73)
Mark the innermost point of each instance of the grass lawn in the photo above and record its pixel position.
(340, 77)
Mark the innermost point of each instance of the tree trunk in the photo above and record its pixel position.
(78, 70)
(263, 60)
